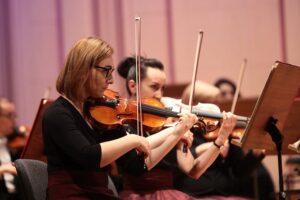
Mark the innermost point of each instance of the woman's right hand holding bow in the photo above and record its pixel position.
(228, 123)
(143, 146)
(185, 122)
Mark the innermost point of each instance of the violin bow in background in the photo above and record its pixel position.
(239, 83)
(138, 73)
(237, 91)
(198, 48)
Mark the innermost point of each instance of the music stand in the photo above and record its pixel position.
(34, 148)
(270, 113)
(245, 107)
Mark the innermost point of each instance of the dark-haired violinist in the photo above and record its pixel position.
(157, 183)
(78, 152)
(227, 89)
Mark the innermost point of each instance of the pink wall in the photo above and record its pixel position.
(36, 35)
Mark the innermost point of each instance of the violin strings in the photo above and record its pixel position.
(169, 113)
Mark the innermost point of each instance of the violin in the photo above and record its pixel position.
(113, 110)
(212, 120)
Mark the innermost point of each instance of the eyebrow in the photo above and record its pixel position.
(155, 83)
(109, 66)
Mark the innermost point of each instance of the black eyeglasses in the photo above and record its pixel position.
(108, 70)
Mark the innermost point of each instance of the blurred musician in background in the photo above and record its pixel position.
(292, 176)
(7, 170)
(206, 92)
(227, 89)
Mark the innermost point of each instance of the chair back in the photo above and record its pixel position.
(33, 178)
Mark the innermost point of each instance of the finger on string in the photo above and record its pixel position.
(225, 116)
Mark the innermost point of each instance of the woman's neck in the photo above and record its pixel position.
(133, 96)
(77, 104)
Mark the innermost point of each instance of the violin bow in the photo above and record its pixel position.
(239, 83)
(198, 48)
(138, 72)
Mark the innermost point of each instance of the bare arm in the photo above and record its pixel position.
(114, 149)
(158, 138)
(202, 147)
(196, 167)
(185, 123)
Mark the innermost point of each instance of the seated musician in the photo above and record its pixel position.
(227, 89)
(8, 186)
(230, 176)
(157, 183)
(78, 151)
(292, 175)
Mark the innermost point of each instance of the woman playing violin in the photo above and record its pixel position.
(157, 183)
(78, 153)
(228, 176)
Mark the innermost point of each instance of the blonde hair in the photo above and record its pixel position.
(73, 78)
(204, 93)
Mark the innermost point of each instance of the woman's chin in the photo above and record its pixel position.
(99, 95)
